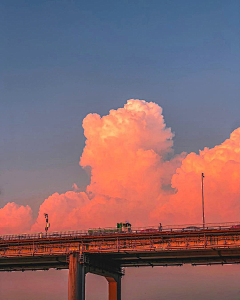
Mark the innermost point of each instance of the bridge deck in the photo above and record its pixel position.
(125, 250)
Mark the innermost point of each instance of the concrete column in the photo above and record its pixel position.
(114, 288)
(76, 279)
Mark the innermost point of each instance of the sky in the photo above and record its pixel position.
(68, 70)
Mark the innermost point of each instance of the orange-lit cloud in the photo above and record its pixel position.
(126, 151)
(15, 218)
(63, 210)
(221, 167)
(128, 154)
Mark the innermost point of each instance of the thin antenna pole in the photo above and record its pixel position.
(203, 203)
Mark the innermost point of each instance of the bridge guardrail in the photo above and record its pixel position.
(114, 231)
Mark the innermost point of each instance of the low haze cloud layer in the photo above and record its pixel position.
(135, 176)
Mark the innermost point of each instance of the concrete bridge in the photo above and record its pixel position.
(107, 253)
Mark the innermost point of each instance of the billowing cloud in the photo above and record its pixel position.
(126, 152)
(15, 218)
(64, 211)
(136, 177)
(221, 167)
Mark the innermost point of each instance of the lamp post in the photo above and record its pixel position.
(203, 203)
(47, 224)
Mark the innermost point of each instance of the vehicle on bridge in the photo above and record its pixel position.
(192, 228)
(121, 228)
(124, 227)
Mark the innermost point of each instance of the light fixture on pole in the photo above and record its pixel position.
(203, 203)
(47, 223)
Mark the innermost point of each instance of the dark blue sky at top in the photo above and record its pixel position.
(61, 60)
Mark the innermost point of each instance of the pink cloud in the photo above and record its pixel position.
(15, 218)
(221, 166)
(127, 152)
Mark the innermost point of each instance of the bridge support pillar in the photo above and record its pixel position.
(95, 265)
(76, 279)
(114, 288)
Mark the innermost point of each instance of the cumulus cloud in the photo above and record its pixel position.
(15, 218)
(126, 151)
(221, 167)
(64, 211)
(135, 176)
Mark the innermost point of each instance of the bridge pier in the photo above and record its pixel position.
(76, 278)
(114, 288)
(78, 271)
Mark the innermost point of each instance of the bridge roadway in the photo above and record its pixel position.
(107, 254)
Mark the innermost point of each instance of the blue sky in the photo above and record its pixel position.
(61, 60)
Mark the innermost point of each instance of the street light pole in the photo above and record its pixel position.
(203, 203)
(47, 223)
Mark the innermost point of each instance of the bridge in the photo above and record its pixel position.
(107, 252)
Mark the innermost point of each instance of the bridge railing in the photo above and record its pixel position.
(114, 231)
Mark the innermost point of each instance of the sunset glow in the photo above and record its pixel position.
(135, 176)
